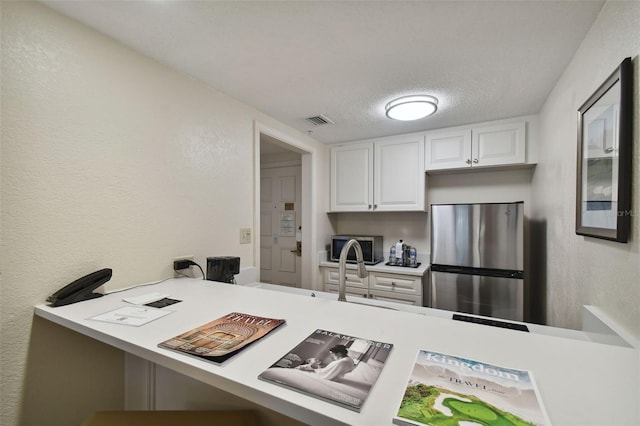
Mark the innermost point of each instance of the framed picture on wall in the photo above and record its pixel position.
(603, 189)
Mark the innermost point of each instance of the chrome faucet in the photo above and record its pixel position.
(342, 268)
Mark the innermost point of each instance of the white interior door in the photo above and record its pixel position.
(280, 214)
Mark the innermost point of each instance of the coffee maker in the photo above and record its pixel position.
(223, 268)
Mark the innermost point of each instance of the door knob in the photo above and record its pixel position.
(298, 250)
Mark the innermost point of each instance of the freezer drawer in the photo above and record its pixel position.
(476, 294)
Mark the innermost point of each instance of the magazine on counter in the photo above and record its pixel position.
(449, 390)
(331, 366)
(224, 337)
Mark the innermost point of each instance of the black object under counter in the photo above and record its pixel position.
(417, 265)
(490, 322)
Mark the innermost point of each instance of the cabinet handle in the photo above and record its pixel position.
(375, 206)
(468, 161)
(475, 160)
(369, 207)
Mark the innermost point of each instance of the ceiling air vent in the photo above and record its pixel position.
(319, 120)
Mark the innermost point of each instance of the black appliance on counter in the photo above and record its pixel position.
(223, 268)
(371, 248)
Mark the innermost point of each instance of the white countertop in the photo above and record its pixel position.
(381, 267)
(581, 382)
(422, 310)
(420, 271)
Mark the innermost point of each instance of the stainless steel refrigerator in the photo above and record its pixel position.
(477, 259)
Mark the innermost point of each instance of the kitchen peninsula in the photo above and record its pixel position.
(580, 382)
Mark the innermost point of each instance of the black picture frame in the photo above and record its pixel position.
(603, 184)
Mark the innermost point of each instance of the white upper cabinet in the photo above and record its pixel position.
(399, 178)
(498, 145)
(352, 178)
(448, 149)
(384, 174)
(478, 146)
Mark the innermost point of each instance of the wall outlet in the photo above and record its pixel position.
(245, 235)
(179, 273)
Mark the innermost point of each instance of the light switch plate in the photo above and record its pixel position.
(245, 235)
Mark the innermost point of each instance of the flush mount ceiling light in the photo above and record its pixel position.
(412, 107)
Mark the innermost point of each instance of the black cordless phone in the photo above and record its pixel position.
(80, 289)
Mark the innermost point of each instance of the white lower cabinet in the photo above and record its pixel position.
(351, 291)
(332, 277)
(383, 286)
(388, 296)
(395, 284)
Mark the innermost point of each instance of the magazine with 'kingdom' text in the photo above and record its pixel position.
(450, 390)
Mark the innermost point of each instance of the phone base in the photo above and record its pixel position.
(79, 298)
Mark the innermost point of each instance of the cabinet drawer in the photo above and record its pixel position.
(331, 276)
(395, 297)
(351, 291)
(404, 284)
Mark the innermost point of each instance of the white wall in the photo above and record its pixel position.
(582, 270)
(109, 159)
(413, 227)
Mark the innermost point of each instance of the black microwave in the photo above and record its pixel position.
(371, 248)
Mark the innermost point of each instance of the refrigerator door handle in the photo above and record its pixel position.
(434, 300)
(477, 218)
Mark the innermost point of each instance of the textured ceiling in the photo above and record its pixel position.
(484, 60)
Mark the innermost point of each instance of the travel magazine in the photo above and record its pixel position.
(224, 337)
(331, 366)
(449, 390)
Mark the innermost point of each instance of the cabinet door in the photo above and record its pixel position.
(399, 178)
(352, 178)
(448, 150)
(332, 276)
(499, 144)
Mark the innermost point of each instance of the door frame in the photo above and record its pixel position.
(308, 261)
